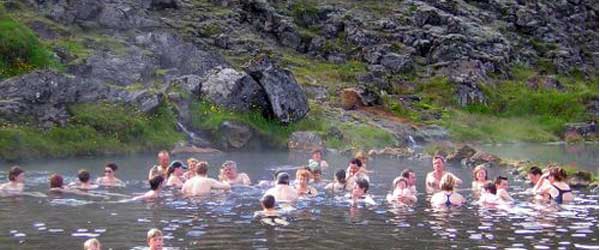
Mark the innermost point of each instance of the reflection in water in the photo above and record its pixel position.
(226, 220)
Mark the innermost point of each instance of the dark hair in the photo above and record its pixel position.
(268, 201)
(84, 175)
(557, 173)
(202, 168)
(499, 180)
(441, 157)
(276, 173)
(56, 181)
(155, 182)
(535, 170)
(173, 166)
(406, 173)
(316, 171)
(14, 172)
(363, 184)
(490, 187)
(356, 162)
(112, 166)
(340, 175)
(283, 178)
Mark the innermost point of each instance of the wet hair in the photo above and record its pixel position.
(440, 156)
(283, 178)
(112, 166)
(14, 172)
(173, 166)
(363, 184)
(316, 171)
(56, 181)
(83, 175)
(356, 162)
(91, 243)
(303, 173)
(276, 173)
(406, 173)
(557, 173)
(268, 201)
(480, 168)
(156, 181)
(535, 170)
(340, 176)
(154, 232)
(490, 187)
(229, 163)
(202, 168)
(447, 183)
(499, 180)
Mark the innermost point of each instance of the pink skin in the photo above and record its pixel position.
(230, 172)
(178, 172)
(400, 185)
(163, 160)
(533, 178)
(357, 192)
(353, 169)
(503, 185)
(438, 165)
(109, 173)
(20, 178)
(317, 157)
(480, 176)
(303, 182)
(412, 179)
(156, 243)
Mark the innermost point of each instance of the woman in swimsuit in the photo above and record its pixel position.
(480, 178)
(557, 190)
(447, 197)
(16, 179)
(303, 176)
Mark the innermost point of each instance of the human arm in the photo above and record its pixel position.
(219, 185)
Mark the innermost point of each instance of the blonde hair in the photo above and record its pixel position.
(190, 160)
(91, 244)
(303, 173)
(447, 182)
(480, 168)
(154, 232)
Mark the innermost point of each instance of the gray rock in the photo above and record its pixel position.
(235, 90)
(304, 141)
(191, 84)
(234, 135)
(145, 100)
(585, 130)
(397, 63)
(544, 82)
(161, 4)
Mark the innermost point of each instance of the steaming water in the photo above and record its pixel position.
(225, 220)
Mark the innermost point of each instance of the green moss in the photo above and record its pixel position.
(210, 29)
(366, 136)
(310, 71)
(438, 91)
(303, 11)
(93, 129)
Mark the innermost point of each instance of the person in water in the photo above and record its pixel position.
(488, 196)
(411, 180)
(175, 174)
(339, 184)
(154, 239)
(16, 181)
(155, 187)
(446, 196)
(191, 171)
(359, 193)
(201, 184)
(557, 190)
(84, 181)
(354, 172)
(316, 161)
(56, 183)
(401, 194)
(432, 182)
(303, 177)
(92, 244)
(282, 190)
(480, 178)
(269, 215)
(230, 175)
(502, 189)
(363, 158)
(110, 176)
(535, 177)
(163, 165)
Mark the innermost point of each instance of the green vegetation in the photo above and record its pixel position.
(93, 129)
(303, 12)
(310, 71)
(363, 137)
(20, 49)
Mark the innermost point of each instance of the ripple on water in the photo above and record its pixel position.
(583, 246)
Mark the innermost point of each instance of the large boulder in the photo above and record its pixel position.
(234, 135)
(352, 98)
(288, 101)
(304, 141)
(397, 63)
(234, 89)
(463, 152)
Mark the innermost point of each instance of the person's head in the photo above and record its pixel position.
(16, 174)
(92, 244)
(439, 162)
(480, 173)
(283, 178)
(447, 183)
(340, 176)
(156, 182)
(155, 239)
(163, 158)
(534, 174)
(56, 181)
(410, 176)
(501, 183)
(303, 176)
(400, 183)
(110, 169)
(177, 168)
(362, 157)
(230, 169)
(268, 202)
(316, 155)
(490, 187)
(83, 176)
(354, 165)
(316, 175)
(557, 174)
(361, 187)
(202, 168)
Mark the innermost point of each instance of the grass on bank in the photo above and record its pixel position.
(93, 129)
(310, 71)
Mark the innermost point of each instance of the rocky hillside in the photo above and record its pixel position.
(223, 73)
